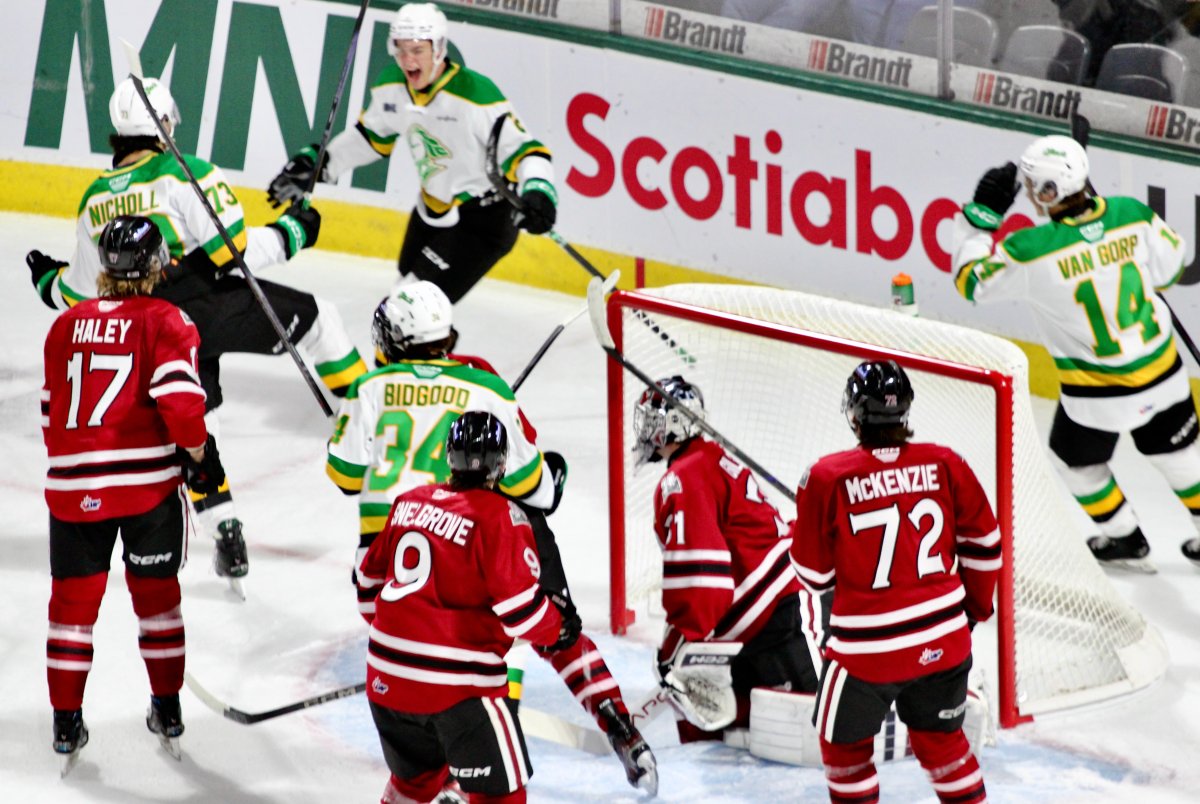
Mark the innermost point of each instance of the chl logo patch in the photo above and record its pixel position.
(930, 655)
(89, 504)
(378, 686)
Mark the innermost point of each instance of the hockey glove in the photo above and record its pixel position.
(298, 227)
(572, 624)
(42, 271)
(206, 475)
(699, 680)
(993, 196)
(539, 200)
(297, 175)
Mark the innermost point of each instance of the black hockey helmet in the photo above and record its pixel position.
(132, 247)
(477, 447)
(878, 394)
(657, 423)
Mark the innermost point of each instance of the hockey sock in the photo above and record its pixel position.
(849, 771)
(74, 607)
(951, 766)
(1182, 472)
(587, 676)
(336, 360)
(160, 630)
(517, 797)
(1102, 499)
(417, 789)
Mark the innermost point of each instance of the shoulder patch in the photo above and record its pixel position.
(186, 319)
(670, 484)
(731, 466)
(517, 515)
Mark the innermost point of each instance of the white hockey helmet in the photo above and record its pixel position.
(411, 315)
(657, 423)
(129, 115)
(420, 21)
(1054, 167)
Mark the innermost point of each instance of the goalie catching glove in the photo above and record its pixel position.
(994, 194)
(296, 177)
(699, 680)
(205, 475)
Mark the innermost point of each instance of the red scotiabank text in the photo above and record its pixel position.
(741, 171)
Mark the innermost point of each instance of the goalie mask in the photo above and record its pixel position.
(419, 21)
(412, 315)
(477, 448)
(878, 394)
(656, 423)
(129, 115)
(1053, 169)
(131, 247)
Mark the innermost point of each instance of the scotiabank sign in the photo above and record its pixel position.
(770, 189)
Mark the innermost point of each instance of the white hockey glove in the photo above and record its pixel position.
(699, 679)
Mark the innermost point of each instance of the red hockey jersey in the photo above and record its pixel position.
(454, 576)
(725, 549)
(121, 390)
(909, 539)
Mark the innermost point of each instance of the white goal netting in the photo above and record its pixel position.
(1066, 636)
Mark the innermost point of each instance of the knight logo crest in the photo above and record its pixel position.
(426, 151)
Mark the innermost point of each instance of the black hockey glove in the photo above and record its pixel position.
(40, 268)
(204, 476)
(540, 211)
(298, 227)
(572, 625)
(993, 196)
(293, 181)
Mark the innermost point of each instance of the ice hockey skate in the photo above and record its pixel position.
(1191, 550)
(640, 766)
(229, 559)
(70, 735)
(163, 718)
(1129, 552)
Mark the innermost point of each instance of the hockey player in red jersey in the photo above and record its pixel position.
(726, 574)
(419, 390)
(122, 407)
(904, 535)
(452, 581)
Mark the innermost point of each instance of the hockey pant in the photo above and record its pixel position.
(580, 666)
(80, 552)
(781, 655)
(1168, 441)
(850, 712)
(479, 741)
(456, 257)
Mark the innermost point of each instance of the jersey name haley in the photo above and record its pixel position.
(890, 482)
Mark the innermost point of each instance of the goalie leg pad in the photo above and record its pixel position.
(781, 727)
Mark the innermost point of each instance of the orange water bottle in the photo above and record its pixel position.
(903, 298)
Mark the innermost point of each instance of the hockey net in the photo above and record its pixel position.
(772, 365)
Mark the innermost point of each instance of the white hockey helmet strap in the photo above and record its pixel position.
(420, 21)
(1056, 167)
(129, 115)
(419, 313)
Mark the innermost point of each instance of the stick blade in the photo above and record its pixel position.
(597, 312)
(134, 58)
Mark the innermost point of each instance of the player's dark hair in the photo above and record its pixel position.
(1073, 205)
(123, 146)
(888, 435)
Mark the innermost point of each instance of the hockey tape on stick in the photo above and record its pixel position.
(597, 312)
(351, 49)
(1081, 131)
(502, 187)
(135, 67)
(609, 284)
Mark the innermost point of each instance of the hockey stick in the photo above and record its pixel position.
(501, 185)
(600, 326)
(609, 284)
(1081, 130)
(337, 95)
(135, 73)
(249, 718)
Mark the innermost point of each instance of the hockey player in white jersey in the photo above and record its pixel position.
(442, 114)
(1092, 276)
(147, 180)
(390, 437)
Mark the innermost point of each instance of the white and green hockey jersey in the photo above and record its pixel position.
(445, 130)
(156, 187)
(1092, 283)
(391, 431)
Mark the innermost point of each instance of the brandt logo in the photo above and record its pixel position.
(1175, 125)
(992, 89)
(532, 8)
(834, 57)
(675, 27)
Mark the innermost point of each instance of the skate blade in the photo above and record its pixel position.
(171, 746)
(1140, 565)
(67, 763)
(648, 782)
(235, 586)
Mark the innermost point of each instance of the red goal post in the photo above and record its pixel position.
(772, 365)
